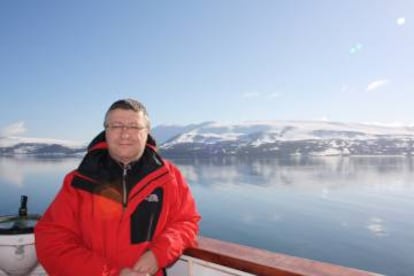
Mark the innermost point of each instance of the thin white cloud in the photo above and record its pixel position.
(376, 84)
(252, 94)
(401, 21)
(256, 94)
(274, 95)
(347, 89)
(14, 129)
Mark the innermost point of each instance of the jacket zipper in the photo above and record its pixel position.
(124, 186)
(150, 230)
(153, 204)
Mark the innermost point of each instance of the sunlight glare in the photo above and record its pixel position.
(356, 48)
(401, 21)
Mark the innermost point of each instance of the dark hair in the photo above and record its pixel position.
(129, 104)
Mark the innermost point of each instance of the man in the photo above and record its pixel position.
(124, 211)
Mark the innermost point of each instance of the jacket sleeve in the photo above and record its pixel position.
(181, 229)
(59, 245)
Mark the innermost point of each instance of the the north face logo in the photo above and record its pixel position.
(152, 198)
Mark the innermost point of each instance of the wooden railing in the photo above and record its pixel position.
(261, 262)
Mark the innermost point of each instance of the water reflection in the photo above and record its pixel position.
(339, 210)
(376, 226)
(40, 179)
(301, 173)
(14, 171)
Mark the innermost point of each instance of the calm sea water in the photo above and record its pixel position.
(353, 211)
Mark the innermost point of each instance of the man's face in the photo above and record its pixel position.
(126, 134)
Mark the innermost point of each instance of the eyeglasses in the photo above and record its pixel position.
(120, 127)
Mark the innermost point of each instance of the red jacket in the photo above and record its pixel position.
(92, 229)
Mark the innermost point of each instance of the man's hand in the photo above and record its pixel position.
(147, 263)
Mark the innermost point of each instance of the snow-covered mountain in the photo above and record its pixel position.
(266, 138)
(163, 133)
(283, 138)
(14, 145)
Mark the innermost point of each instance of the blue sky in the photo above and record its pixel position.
(63, 63)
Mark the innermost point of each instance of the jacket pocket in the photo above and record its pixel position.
(145, 217)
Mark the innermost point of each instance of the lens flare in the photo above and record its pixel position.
(401, 21)
(356, 48)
